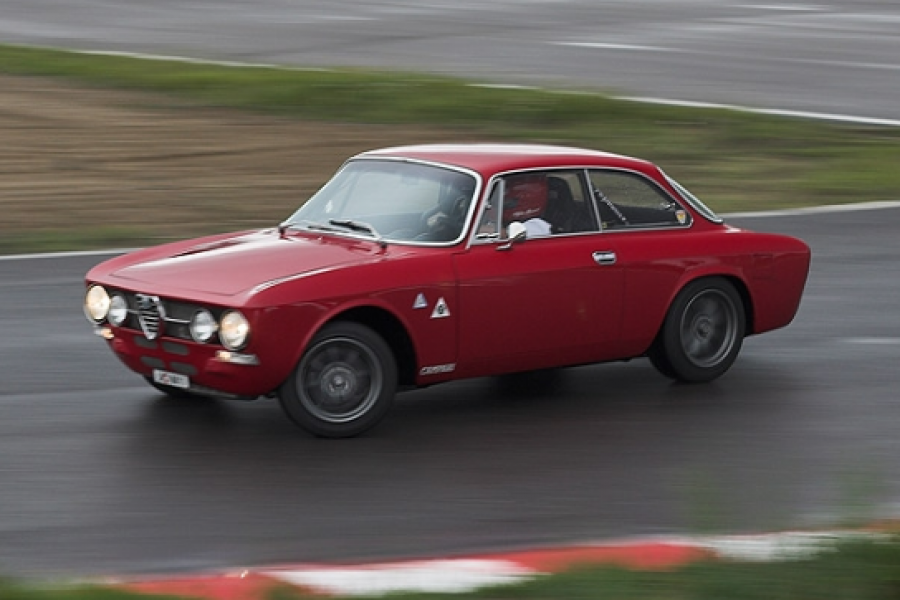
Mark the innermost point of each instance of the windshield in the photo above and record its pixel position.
(391, 201)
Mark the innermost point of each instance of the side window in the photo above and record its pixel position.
(568, 210)
(628, 200)
(546, 202)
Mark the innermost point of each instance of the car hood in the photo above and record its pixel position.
(233, 265)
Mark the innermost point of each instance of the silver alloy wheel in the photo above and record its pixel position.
(709, 328)
(339, 380)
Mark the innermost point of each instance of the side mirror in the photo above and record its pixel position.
(516, 233)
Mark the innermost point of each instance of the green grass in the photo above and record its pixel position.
(855, 571)
(732, 160)
(18, 591)
(866, 571)
(62, 240)
(852, 570)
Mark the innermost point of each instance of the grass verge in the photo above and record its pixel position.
(732, 160)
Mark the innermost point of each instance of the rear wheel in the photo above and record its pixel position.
(703, 332)
(344, 383)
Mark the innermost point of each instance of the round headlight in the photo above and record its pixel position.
(203, 326)
(96, 303)
(118, 310)
(234, 330)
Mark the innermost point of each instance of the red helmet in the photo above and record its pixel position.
(526, 197)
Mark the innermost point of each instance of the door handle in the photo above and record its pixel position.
(606, 257)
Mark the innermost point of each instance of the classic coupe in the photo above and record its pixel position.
(424, 264)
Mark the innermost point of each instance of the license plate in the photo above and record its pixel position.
(172, 379)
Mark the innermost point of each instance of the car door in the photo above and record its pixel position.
(553, 298)
(654, 245)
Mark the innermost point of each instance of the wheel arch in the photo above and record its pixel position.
(746, 299)
(392, 330)
(740, 287)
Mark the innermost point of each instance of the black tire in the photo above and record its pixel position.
(703, 332)
(344, 383)
(658, 358)
(174, 392)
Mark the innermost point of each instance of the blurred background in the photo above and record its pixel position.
(837, 56)
(101, 475)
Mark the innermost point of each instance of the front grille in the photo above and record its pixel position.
(157, 318)
(150, 314)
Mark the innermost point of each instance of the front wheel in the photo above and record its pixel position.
(703, 332)
(344, 383)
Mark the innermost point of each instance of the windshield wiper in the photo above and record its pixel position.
(359, 226)
(284, 227)
(336, 226)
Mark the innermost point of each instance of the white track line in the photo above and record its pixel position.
(72, 254)
(191, 61)
(778, 112)
(611, 46)
(447, 576)
(783, 7)
(815, 210)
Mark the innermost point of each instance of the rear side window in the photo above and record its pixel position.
(627, 200)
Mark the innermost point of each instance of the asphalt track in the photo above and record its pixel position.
(827, 56)
(102, 475)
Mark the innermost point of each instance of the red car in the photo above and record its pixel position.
(424, 264)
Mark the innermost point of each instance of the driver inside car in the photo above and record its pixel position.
(525, 201)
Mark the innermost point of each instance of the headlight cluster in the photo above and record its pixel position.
(118, 309)
(203, 326)
(233, 328)
(96, 303)
(100, 306)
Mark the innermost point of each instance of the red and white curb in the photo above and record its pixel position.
(469, 573)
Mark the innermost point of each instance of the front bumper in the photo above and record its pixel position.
(212, 370)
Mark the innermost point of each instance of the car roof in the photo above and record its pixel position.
(489, 159)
